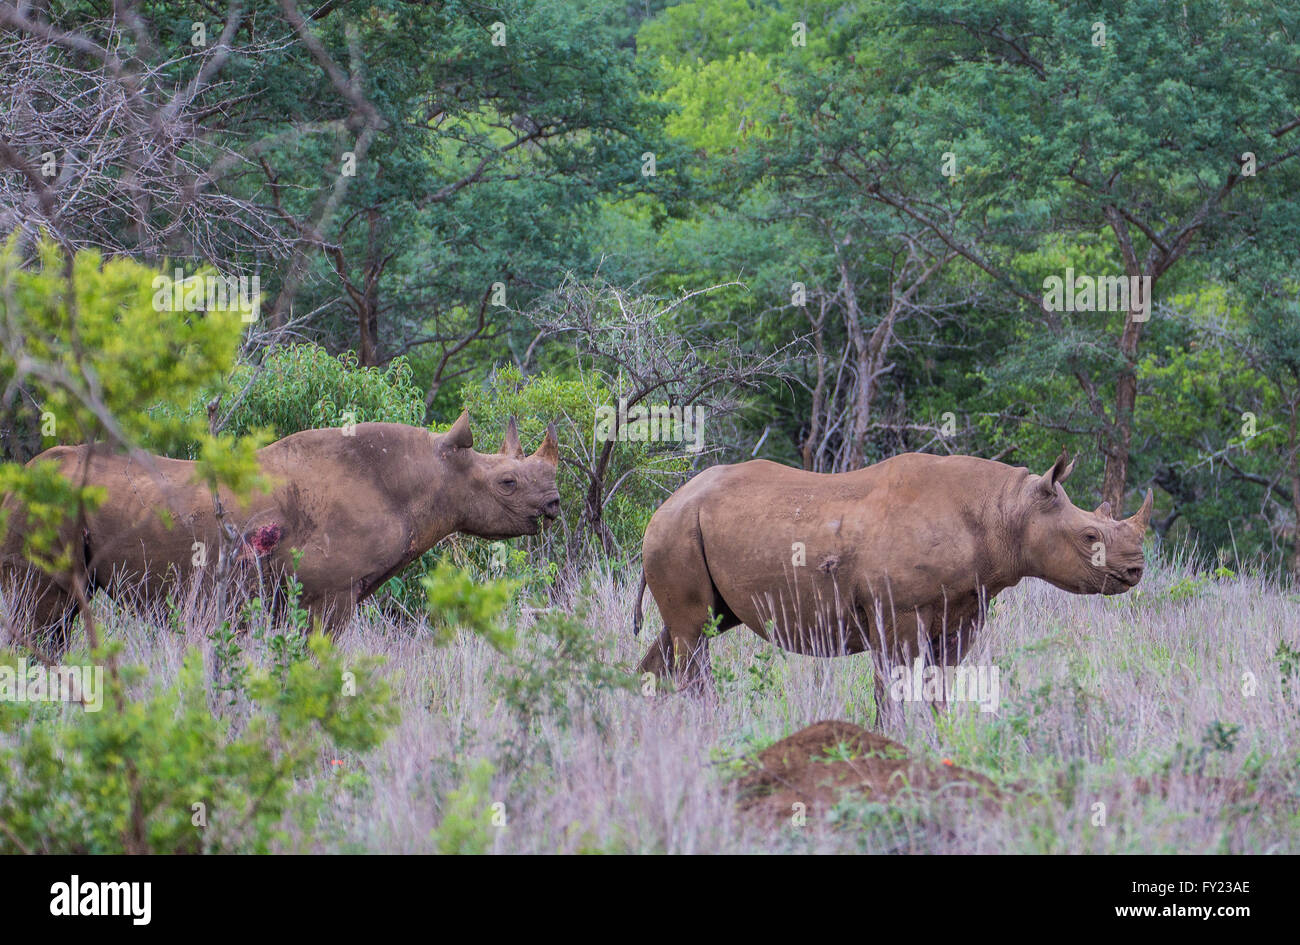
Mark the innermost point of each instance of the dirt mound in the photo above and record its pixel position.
(818, 765)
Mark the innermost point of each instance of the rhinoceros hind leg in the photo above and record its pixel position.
(677, 574)
(682, 648)
(658, 658)
(693, 671)
(687, 661)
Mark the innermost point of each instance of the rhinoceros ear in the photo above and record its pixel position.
(510, 445)
(1104, 511)
(550, 448)
(1142, 517)
(1059, 472)
(459, 436)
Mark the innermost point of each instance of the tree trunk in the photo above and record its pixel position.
(860, 412)
(811, 443)
(1120, 439)
(368, 312)
(595, 499)
(870, 355)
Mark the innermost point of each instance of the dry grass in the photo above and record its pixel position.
(1104, 701)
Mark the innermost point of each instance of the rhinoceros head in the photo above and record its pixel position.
(1080, 551)
(503, 494)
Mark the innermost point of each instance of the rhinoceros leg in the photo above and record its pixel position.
(693, 671)
(940, 634)
(956, 628)
(687, 601)
(683, 654)
(659, 657)
(936, 636)
(48, 612)
(893, 639)
(678, 577)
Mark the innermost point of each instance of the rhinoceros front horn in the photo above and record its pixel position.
(1142, 517)
(510, 445)
(550, 448)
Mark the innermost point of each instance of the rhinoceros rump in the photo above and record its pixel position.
(359, 505)
(900, 558)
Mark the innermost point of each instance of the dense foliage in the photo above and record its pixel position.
(881, 189)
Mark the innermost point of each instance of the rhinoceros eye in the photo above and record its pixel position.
(1091, 537)
(507, 484)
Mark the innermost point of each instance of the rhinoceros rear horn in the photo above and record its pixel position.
(510, 445)
(1104, 511)
(1142, 517)
(459, 436)
(550, 448)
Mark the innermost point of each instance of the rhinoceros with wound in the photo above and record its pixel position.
(900, 558)
(354, 505)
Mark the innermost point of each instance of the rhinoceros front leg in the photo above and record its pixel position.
(936, 635)
(894, 637)
(956, 623)
(334, 583)
(940, 635)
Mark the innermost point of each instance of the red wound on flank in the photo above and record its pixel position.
(259, 542)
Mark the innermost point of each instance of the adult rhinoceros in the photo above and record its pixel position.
(900, 558)
(346, 509)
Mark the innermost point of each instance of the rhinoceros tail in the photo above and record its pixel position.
(636, 606)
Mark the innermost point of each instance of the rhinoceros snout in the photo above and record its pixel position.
(552, 509)
(1133, 575)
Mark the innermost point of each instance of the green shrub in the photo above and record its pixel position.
(467, 815)
(456, 599)
(87, 343)
(97, 355)
(304, 387)
(165, 771)
(558, 673)
(203, 765)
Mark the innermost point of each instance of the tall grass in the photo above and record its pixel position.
(1166, 720)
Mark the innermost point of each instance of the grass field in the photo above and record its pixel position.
(1177, 707)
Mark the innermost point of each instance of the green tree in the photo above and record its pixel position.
(1150, 122)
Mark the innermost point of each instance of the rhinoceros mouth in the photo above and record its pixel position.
(1118, 584)
(531, 526)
